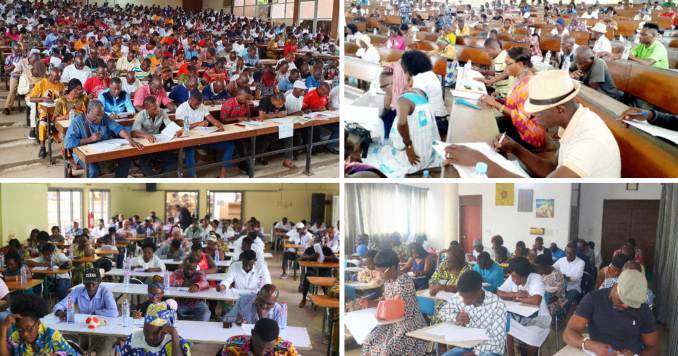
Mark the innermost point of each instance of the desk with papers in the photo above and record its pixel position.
(229, 295)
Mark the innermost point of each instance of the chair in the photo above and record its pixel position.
(349, 293)
(76, 347)
(426, 306)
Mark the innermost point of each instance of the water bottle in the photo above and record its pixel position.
(70, 251)
(126, 273)
(166, 281)
(467, 69)
(125, 313)
(70, 311)
(547, 57)
(375, 31)
(480, 170)
(187, 126)
(113, 240)
(627, 50)
(2, 260)
(216, 256)
(24, 276)
(426, 174)
(283, 315)
(566, 64)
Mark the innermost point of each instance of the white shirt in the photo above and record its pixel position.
(305, 240)
(602, 45)
(573, 270)
(554, 32)
(533, 286)
(429, 83)
(130, 88)
(279, 225)
(58, 259)
(257, 247)
(292, 103)
(334, 243)
(71, 72)
(99, 232)
(371, 54)
(587, 133)
(185, 111)
(334, 98)
(155, 262)
(252, 280)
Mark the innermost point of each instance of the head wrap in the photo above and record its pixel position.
(160, 314)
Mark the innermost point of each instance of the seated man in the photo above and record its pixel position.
(250, 308)
(497, 76)
(654, 117)
(491, 272)
(117, 102)
(617, 319)
(472, 307)
(593, 72)
(572, 267)
(251, 58)
(249, 241)
(319, 253)
(215, 91)
(317, 99)
(97, 83)
(294, 99)
(91, 299)
(552, 101)
(650, 51)
(148, 261)
(237, 108)
(188, 275)
(158, 336)
(171, 251)
(602, 47)
(246, 273)
(182, 91)
(271, 107)
(51, 258)
(198, 116)
(296, 236)
(150, 122)
(265, 340)
(93, 127)
(153, 88)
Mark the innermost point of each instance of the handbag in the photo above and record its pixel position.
(391, 309)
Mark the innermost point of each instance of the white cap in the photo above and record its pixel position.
(299, 85)
(299, 225)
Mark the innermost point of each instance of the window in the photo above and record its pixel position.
(63, 207)
(100, 205)
(185, 199)
(224, 205)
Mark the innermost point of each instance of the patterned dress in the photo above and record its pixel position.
(442, 274)
(530, 131)
(48, 342)
(390, 339)
(135, 345)
(241, 345)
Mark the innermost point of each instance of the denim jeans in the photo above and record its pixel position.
(458, 351)
(198, 311)
(93, 170)
(227, 147)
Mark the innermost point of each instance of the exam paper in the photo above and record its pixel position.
(170, 130)
(455, 333)
(531, 335)
(361, 323)
(487, 151)
(520, 308)
(655, 130)
(107, 145)
(205, 130)
(159, 138)
(285, 130)
(469, 95)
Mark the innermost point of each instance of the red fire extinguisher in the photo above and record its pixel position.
(90, 220)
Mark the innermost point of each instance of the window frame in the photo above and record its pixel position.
(197, 205)
(59, 191)
(91, 206)
(242, 201)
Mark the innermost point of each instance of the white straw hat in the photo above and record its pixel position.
(550, 88)
(599, 27)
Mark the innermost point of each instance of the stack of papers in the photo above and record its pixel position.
(202, 130)
(655, 130)
(487, 151)
(253, 123)
(520, 308)
(454, 333)
(160, 138)
(107, 146)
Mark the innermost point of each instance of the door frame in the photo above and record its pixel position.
(469, 200)
(646, 258)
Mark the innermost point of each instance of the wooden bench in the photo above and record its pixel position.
(550, 44)
(378, 39)
(424, 46)
(643, 82)
(350, 48)
(627, 27)
(581, 37)
(389, 54)
(427, 36)
(392, 20)
(475, 55)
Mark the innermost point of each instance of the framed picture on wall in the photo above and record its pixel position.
(185, 199)
(545, 208)
(504, 194)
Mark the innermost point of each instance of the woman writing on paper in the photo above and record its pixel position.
(445, 277)
(420, 266)
(391, 339)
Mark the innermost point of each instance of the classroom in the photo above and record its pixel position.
(172, 88)
(510, 89)
(169, 268)
(565, 269)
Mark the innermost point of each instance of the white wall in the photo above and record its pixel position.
(591, 204)
(514, 226)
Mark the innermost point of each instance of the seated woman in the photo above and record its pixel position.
(396, 39)
(612, 270)
(22, 333)
(156, 292)
(369, 274)
(409, 148)
(554, 283)
(158, 336)
(391, 339)
(515, 122)
(265, 340)
(420, 266)
(13, 265)
(367, 51)
(445, 277)
(526, 287)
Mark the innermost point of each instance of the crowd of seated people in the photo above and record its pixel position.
(129, 72)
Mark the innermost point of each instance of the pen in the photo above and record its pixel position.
(502, 138)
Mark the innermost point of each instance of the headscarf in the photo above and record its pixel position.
(160, 314)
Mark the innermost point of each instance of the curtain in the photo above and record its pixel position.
(379, 210)
(666, 263)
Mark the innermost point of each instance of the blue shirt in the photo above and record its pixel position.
(311, 82)
(80, 128)
(190, 54)
(284, 85)
(246, 308)
(121, 104)
(208, 94)
(179, 94)
(50, 39)
(557, 254)
(102, 304)
(361, 250)
(250, 61)
(494, 276)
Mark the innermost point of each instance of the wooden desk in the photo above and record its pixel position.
(322, 281)
(107, 252)
(315, 264)
(423, 334)
(50, 272)
(324, 301)
(13, 285)
(292, 246)
(331, 306)
(85, 259)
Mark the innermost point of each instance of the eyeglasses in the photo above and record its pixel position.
(30, 328)
(154, 295)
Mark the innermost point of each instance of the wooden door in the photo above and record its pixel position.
(192, 5)
(625, 219)
(470, 220)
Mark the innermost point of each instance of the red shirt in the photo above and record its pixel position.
(232, 108)
(212, 75)
(289, 48)
(314, 101)
(93, 86)
(183, 69)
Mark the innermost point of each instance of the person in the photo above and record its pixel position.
(265, 340)
(613, 270)
(93, 127)
(97, 83)
(205, 262)
(91, 299)
(14, 264)
(554, 283)
(492, 273)
(585, 252)
(572, 267)
(237, 108)
(420, 264)
(171, 251)
(129, 63)
(23, 333)
(117, 102)
(182, 91)
(568, 46)
(215, 91)
(552, 101)
(50, 258)
(419, 68)
(153, 88)
(46, 90)
(498, 252)
(149, 123)
(650, 51)
(188, 275)
(396, 39)
(271, 107)
(538, 247)
(445, 277)
(253, 307)
(498, 78)
(251, 240)
(363, 245)
(631, 249)
(369, 273)
(516, 123)
(317, 253)
(246, 273)
(526, 287)
(366, 51)
(159, 336)
(13, 65)
(198, 116)
(556, 252)
(156, 293)
(131, 84)
(317, 99)
(473, 307)
(391, 338)
(593, 72)
(99, 230)
(602, 46)
(148, 261)
(617, 319)
(74, 101)
(76, 70)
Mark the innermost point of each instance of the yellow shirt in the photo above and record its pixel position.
(46, 89)
(79, 45)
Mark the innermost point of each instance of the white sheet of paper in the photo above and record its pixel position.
(531, 335)
(485, 149)
(455, 333)
(469, 95)
(367, 117)
(655, 130)
(170, 130)
(40, 268)
(443, 295)
(162, 138)
(107, 145)
(282, 120)
(205, 130)
(361, 323)
(285, 130)
(520, 308)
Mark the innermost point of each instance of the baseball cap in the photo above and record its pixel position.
(299, 225)
(299, 85)
(92, 275)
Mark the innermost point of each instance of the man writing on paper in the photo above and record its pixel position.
(582, 133)
(93, 127)
(151, 121)
(472, 307)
